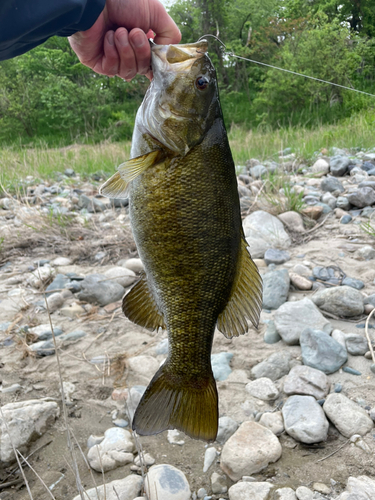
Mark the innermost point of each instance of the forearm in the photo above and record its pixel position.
(24, 24)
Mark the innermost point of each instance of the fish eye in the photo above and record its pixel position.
(201, 83)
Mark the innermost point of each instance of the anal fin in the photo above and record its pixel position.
(140, 307)
(245, 300)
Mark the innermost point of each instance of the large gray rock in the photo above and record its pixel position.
(342, 301)
(307, 381)
(362, 197)
(275, 288)
(321, 351)
(248, 491)
(251, 448)
(304, 419)
(166, 482)
(23, 422)
(121, 275)
(119, 489)
(293, 317)
(263, 231)
(331, 184)
(338, 165)
(343, 202)
(96, 289)
(347, 416)
(262, 388)
(274, 367)
(359, 488)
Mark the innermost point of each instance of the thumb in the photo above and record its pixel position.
(163, 25)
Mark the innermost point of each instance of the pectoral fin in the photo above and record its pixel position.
(140, 307)
(117, 186)
(246, 298)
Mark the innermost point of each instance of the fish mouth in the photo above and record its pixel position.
(183, 56)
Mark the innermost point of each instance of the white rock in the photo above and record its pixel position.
(41, 275)
(292, 221)
(21, 422)
(61, 261)
(147, 460)
(114, 451)
(321, 166)
(55, 301)
(167, 483)
(218, 484)
(120, 489)
(347, 416)
(285, 494)
(262, 388)
(339, 336)
(250, 491)
(322, 488)
(144, 366)
(209, 458)
(135, 265)
(174, 437)
(359, 488)
(262, 231)
(303, 493)
(307, 381)
(121, 275)
(305, 420)
(300, 282)
(251, 448)
(273, 421)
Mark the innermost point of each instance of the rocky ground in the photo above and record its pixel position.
(297, 397)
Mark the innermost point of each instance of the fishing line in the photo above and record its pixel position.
(231, 54)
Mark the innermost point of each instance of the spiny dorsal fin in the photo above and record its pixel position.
(173, 401)
(117, 185)
(140, 307)
(245, 300)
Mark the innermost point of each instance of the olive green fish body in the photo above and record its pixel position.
(186, 221)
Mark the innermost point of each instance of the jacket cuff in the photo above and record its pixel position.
(88, 18)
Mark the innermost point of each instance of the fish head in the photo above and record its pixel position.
(182, 100)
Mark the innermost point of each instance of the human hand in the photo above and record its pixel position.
(117, 44)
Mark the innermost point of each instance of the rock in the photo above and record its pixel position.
(359, 488)
(55, 301)
(135, 394)
(41, 275)
(321, 351)
(26, 421)
(174, 437)
(293, 221)
(302, 270)
(258, 171)
(273, 421)
(96, 289)
(75, 335)
(133, 264)
(304, 419)
(250, 491)
(72, 311)
(251, 448)
(348, 417)
(119, 489)
(121, 275)
(147, 460)
(356, 344)
(69, 172)
(58, 284)
(346, 219)
(303, 493)
(367, 252)
(338, 165)
(307, 381)
(43, 348)
(218, 484)
(362, 197)
(274, 367)
(262, 388)
(274, 256)
(285, 494)
(313, 212)
(114, 451)
(166, 482)
(92, 205)
(221, 365)
(343, 203)
(342, 301)
(227, 427)
(300, 282)
(353, 282)
(144, 366)
(293, 317)
(321, 166)
(44, 332)
(370, 300)
(331, 184)
(275, 288)
(209, 457)
(322, 488)
(271, 336)
(329, 200)
(263, 231)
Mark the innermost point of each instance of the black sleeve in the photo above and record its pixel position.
(24, 24)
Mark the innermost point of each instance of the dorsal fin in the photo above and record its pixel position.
(140, 307)
(245, 300)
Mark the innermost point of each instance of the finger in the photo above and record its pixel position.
(128, 63)
(163, 25)
(141, 47)
(111, 58)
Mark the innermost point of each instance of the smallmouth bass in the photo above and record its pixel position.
(185, 216)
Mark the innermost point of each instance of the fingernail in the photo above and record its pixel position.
(138, 41)
(110, 38)
(123, 39)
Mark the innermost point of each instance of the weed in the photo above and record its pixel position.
(281, 195)
(369, 228)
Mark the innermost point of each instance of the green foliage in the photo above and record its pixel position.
(369, 228)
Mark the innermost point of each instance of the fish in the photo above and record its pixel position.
(185, 216)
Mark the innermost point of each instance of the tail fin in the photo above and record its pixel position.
(176, 402)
